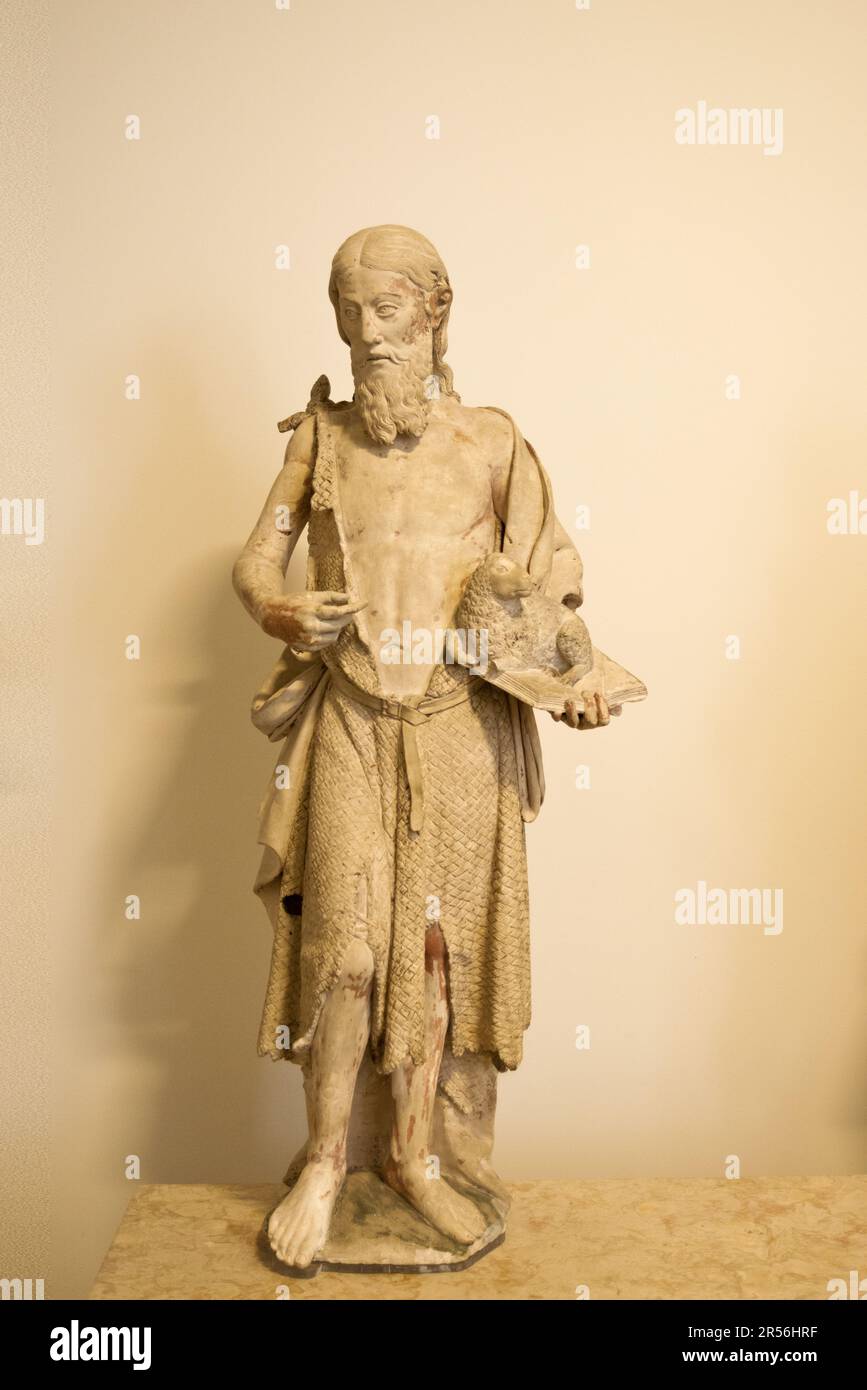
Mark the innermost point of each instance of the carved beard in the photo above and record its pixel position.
(394, 401)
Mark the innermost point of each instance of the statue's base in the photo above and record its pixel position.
(374, 1230)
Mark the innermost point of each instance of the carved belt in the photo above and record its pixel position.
(410, 716)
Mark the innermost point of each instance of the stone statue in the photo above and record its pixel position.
(394, 866)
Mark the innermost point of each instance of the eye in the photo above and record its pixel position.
(387, 311)
(350, 311)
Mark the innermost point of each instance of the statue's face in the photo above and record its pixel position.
(385, 319)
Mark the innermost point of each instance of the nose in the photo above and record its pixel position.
(371, 331)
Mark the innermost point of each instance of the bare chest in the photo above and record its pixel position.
(403, 501)
(414, 527)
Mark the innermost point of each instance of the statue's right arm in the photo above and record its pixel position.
(306, 621)
(261, 567)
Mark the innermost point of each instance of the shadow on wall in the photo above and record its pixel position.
(184, 994)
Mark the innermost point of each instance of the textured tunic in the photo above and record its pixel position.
(340, 859)
(359, 870)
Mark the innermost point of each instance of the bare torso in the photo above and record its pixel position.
(417, 517)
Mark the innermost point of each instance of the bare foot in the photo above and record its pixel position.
(298, 1228)
(438, 1203)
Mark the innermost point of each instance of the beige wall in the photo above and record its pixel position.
(27, 772)
(262, 127)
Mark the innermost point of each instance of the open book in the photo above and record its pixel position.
(544, 691)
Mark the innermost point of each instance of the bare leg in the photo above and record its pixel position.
(414, 1088)
(298, 1227)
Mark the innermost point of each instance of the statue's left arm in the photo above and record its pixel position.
(532, 534)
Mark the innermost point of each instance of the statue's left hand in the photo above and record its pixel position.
(597, 711)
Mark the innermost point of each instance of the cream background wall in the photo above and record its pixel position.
(27, 774)
(262, 127)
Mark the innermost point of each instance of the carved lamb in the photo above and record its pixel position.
(526, 629)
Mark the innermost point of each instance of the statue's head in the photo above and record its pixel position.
(391, 295)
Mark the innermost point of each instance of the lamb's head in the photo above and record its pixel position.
(506, 579)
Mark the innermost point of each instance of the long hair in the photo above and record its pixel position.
(405, 252)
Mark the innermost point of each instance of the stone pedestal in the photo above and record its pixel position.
(374, 1231)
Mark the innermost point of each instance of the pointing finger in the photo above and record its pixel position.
(331, 609)
(333, 623)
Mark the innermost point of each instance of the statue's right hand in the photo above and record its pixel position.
(308, 621)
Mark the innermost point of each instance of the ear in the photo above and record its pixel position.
(439, 300)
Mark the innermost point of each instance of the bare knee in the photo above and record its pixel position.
(357, 972)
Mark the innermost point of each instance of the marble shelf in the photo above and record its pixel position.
(659, 1238)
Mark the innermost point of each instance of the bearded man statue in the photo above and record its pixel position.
(394, 866)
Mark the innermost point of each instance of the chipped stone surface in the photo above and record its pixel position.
(661, 1238)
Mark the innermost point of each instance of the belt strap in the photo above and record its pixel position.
(410, 716)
